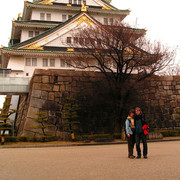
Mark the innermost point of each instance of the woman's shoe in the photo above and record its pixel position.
(138, 157)
(131, 157)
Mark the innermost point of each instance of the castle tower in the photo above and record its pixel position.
(40, 36)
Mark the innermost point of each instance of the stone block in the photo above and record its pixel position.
(74, 83)
(178, 97)
(51, 96)
(36, 93)
(64, 79)
(36, 102)
(166, 87)
(45, 79)
(68, 88)
(62, 88)
(60, 79)
(153, 83)
(161, 103)
(37, 79)
(36, 86)
(169, 83)
(44, 95)
(170, 92)
(53, 79)
(173, 104)
(32, 112)
(57, 94)
(178, 87)
(46, 87)
(57, 100)
(164, 83)
(56, 88)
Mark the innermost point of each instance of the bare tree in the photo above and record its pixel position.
(123, 54)
(171, 70)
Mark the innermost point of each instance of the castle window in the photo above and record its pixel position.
(81, 41)
(75, 1)
(30, 33)
(62, 63)
(70, 1)
(69, 16)
(48, 17)
(84, 2)
(75, 40)
(28, 62)
(63, 17)
(79, 2)
(111, 21)
(36, 33)
(42, 16)
(69, 40)
(45, 62)
(106, 21)
(87, 41)
(34, 62)
(52, 62)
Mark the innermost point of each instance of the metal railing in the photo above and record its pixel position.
(14, 85)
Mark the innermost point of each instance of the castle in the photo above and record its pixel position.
(41, 39)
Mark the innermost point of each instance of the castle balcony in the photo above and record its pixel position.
(12, 85)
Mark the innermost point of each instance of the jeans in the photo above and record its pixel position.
(138, 138)
(131, 142)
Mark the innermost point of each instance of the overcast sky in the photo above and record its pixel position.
(159, 17)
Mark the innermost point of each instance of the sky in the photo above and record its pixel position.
(159, 17)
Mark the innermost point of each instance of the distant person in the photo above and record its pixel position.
(130, 133)
(140, 125)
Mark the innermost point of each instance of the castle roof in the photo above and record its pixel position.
(73, 8)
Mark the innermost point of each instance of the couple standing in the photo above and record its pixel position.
(136, 129)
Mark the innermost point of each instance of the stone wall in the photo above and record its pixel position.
(159, 96)
(52, 85)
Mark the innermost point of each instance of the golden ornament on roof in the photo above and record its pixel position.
(19, 15)
(84, 7)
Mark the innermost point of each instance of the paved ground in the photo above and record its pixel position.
(108, 162)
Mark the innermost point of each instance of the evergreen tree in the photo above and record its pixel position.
(42, 123)
(70, 116)
(5, 122)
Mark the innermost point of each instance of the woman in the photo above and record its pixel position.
(130, 133)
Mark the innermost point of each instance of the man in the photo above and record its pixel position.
(139, 123)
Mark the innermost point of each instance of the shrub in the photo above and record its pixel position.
(169, 133)
(11, 139)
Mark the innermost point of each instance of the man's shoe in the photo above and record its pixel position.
(138, 157)
(145, 157)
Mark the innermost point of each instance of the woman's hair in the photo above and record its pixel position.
(131, 111)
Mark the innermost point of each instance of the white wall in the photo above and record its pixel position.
(30, 69)
(16, 63)
(25, 33)
(55, 15)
